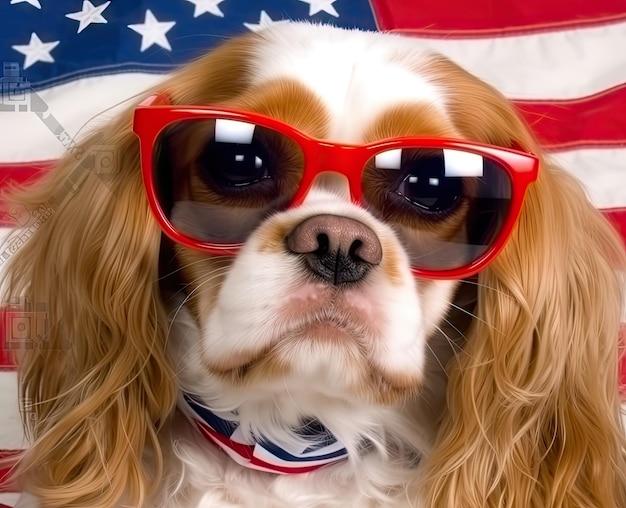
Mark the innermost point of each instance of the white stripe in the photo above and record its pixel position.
(563, 64)
(11, 433)
(602, 171)
(24, 135)
(9, 499)
(268, 457)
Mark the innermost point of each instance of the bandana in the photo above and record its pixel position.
(318, 446)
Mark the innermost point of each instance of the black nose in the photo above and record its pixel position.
(337, 249)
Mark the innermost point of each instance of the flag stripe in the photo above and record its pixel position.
(101, 99)
(601, 170)
(7, 461)
(8, 500)
(598, 120)
(617, 217)
(567, 64)
(11, 432)
(486, 17)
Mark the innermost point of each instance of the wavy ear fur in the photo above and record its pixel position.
(99, 388)
(534, 405)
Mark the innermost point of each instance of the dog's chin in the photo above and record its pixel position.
(328, 357)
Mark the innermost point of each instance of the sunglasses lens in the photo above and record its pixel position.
(217, 179)
(448, 206)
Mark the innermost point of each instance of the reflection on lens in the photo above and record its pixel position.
(447, 205)
(217, 179)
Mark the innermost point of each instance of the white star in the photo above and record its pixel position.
(210, 6)
(153, 31)
(36, 51)
(34, 3)
(90, 14)
(316, 6)
(264, 22)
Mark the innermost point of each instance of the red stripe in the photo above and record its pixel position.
(490, 17)
(7, 361)
(596, 120)
(18, 173)
(8, 459)
(243, 450)
(617, 216)
(22, 172)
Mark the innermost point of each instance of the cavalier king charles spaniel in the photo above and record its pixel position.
(332, 269)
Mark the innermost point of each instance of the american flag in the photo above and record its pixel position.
(68, 65)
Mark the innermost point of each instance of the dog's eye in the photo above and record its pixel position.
(236, 156)
(426, 186)
(235, 164)
(428, 182)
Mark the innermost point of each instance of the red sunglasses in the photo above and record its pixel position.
(212, 175)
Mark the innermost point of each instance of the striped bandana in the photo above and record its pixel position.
(320, 447)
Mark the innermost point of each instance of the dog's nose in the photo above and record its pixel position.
(338, 249)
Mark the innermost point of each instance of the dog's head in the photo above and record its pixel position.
(334, 172)
(327, 199)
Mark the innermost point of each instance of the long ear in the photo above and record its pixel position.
(98, 388)
(534, 406)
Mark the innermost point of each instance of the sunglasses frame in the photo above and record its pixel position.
(320, 156)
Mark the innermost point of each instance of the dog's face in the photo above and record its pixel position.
(321, 297)
(276, 315)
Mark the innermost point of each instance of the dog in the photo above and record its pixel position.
(331, 269)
